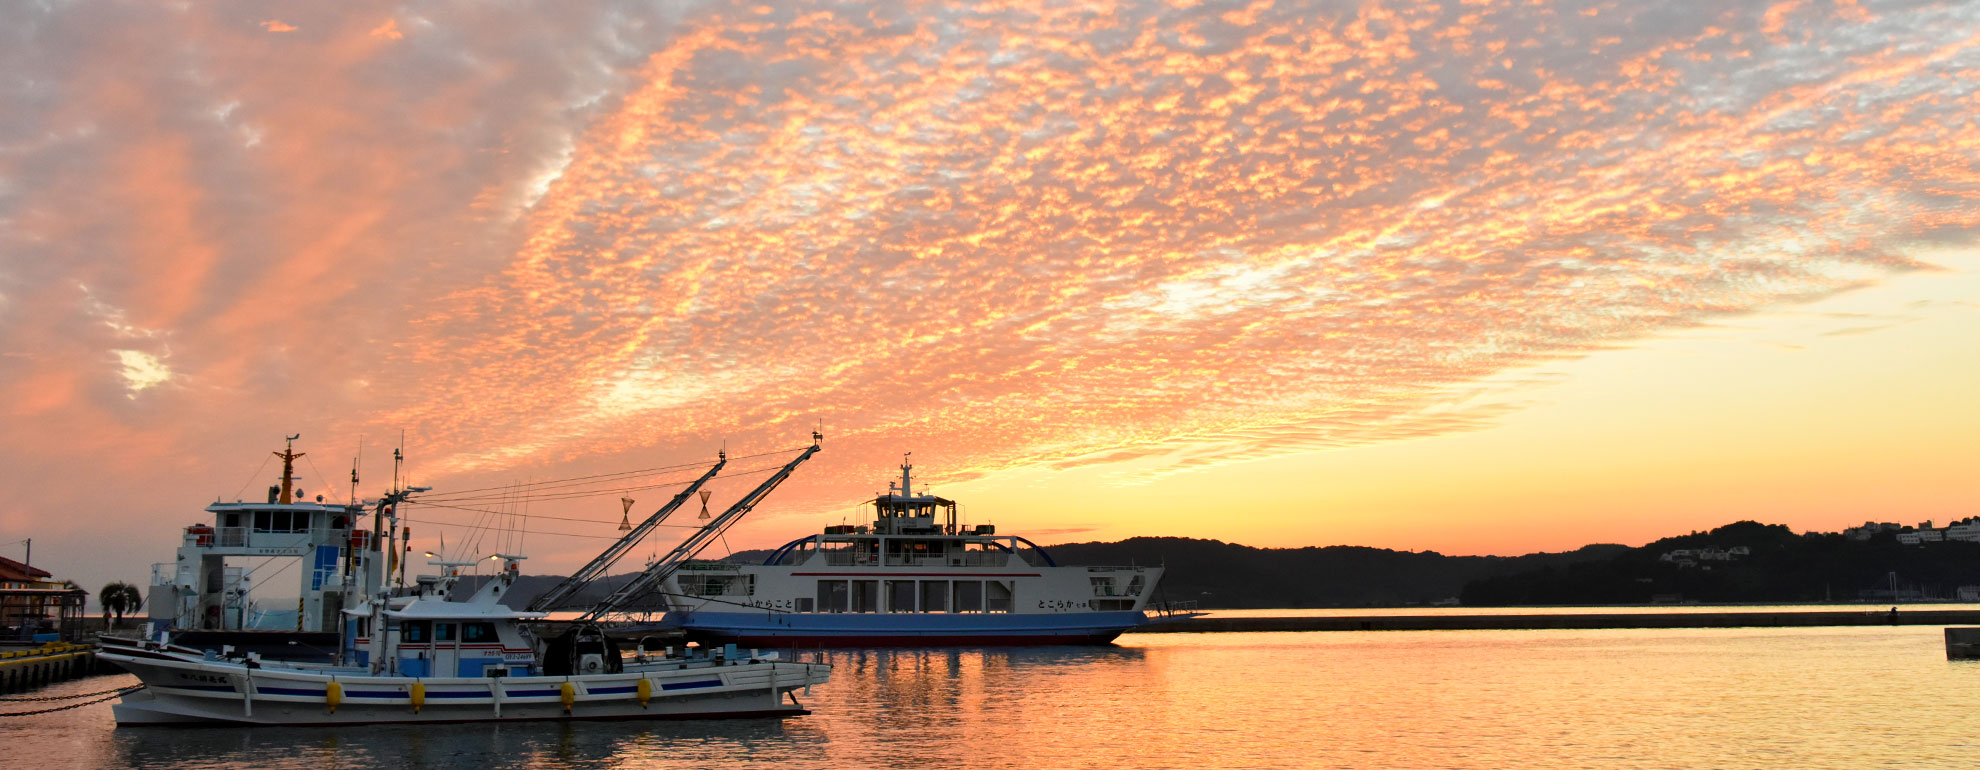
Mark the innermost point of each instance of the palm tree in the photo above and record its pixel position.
(120, 597)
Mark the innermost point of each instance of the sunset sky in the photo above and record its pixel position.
(1470, 276)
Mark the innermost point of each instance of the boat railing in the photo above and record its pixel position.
(1172, 609)
(232, 537)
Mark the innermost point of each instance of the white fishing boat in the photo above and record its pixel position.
(915, 577)
(423, 656)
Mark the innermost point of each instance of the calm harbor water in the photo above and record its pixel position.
(1665, 698)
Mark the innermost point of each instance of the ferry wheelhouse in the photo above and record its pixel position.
(914, 577)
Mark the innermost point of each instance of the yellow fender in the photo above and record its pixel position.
(570, 696)
(418, 696)
(645, 691)
(333, 695)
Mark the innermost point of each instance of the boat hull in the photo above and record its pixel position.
(759, 629)
(182, 692)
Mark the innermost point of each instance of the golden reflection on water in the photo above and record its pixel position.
(1684, 698)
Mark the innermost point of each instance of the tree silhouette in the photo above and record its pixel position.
(120, 597)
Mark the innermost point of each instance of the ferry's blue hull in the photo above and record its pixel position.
(759, 629)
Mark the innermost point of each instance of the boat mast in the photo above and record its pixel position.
(288, 456)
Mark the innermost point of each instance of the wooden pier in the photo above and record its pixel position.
(1538, 621)
(27, 668)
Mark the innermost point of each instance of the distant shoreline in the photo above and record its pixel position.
(1771, 617)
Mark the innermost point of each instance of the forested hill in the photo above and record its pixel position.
(1777, 565)
(1227, 575)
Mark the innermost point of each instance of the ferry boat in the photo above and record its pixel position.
(912, 578)
(424, 656)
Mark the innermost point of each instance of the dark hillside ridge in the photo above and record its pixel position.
(1216, 574)
(1777, 566)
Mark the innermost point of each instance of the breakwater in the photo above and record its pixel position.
(1537, 621)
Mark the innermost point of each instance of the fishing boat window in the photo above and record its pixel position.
(900, 596)
(997, 596)
(934, 596)
(478, 632)
(443, 632)
(416, 632)
(866, 596)
(969, 596)
(832, 596)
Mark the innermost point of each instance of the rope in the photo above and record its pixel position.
(112, 694)
(35, 699)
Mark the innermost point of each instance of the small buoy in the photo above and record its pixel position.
(645, 691)
(570, 696)
(333, 695)
(418, 696)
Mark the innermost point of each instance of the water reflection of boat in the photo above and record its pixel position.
(913, 578)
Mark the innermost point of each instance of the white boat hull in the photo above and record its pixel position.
(181, 692)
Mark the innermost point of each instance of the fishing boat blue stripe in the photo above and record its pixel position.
(375, 694)
(691, 685)
(533, 693)
(612, 690)
(265, 690)
(469, 694)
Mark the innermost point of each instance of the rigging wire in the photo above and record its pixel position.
(446, 501)
(597, 478)
(257, 474)
(409, 505)
(437, 523)
(325, 479)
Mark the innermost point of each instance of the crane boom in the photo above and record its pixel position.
(658, 571)
(604, 561)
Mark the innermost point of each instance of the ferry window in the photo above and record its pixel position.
(934, 596)
(969, 596)
(866, 596)
(416, 632)
(997, 596)
(281, 521)
(232, 520)
(443, 632)
(804, 604)
(832, 596)
(475, 633)
(900, 596)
